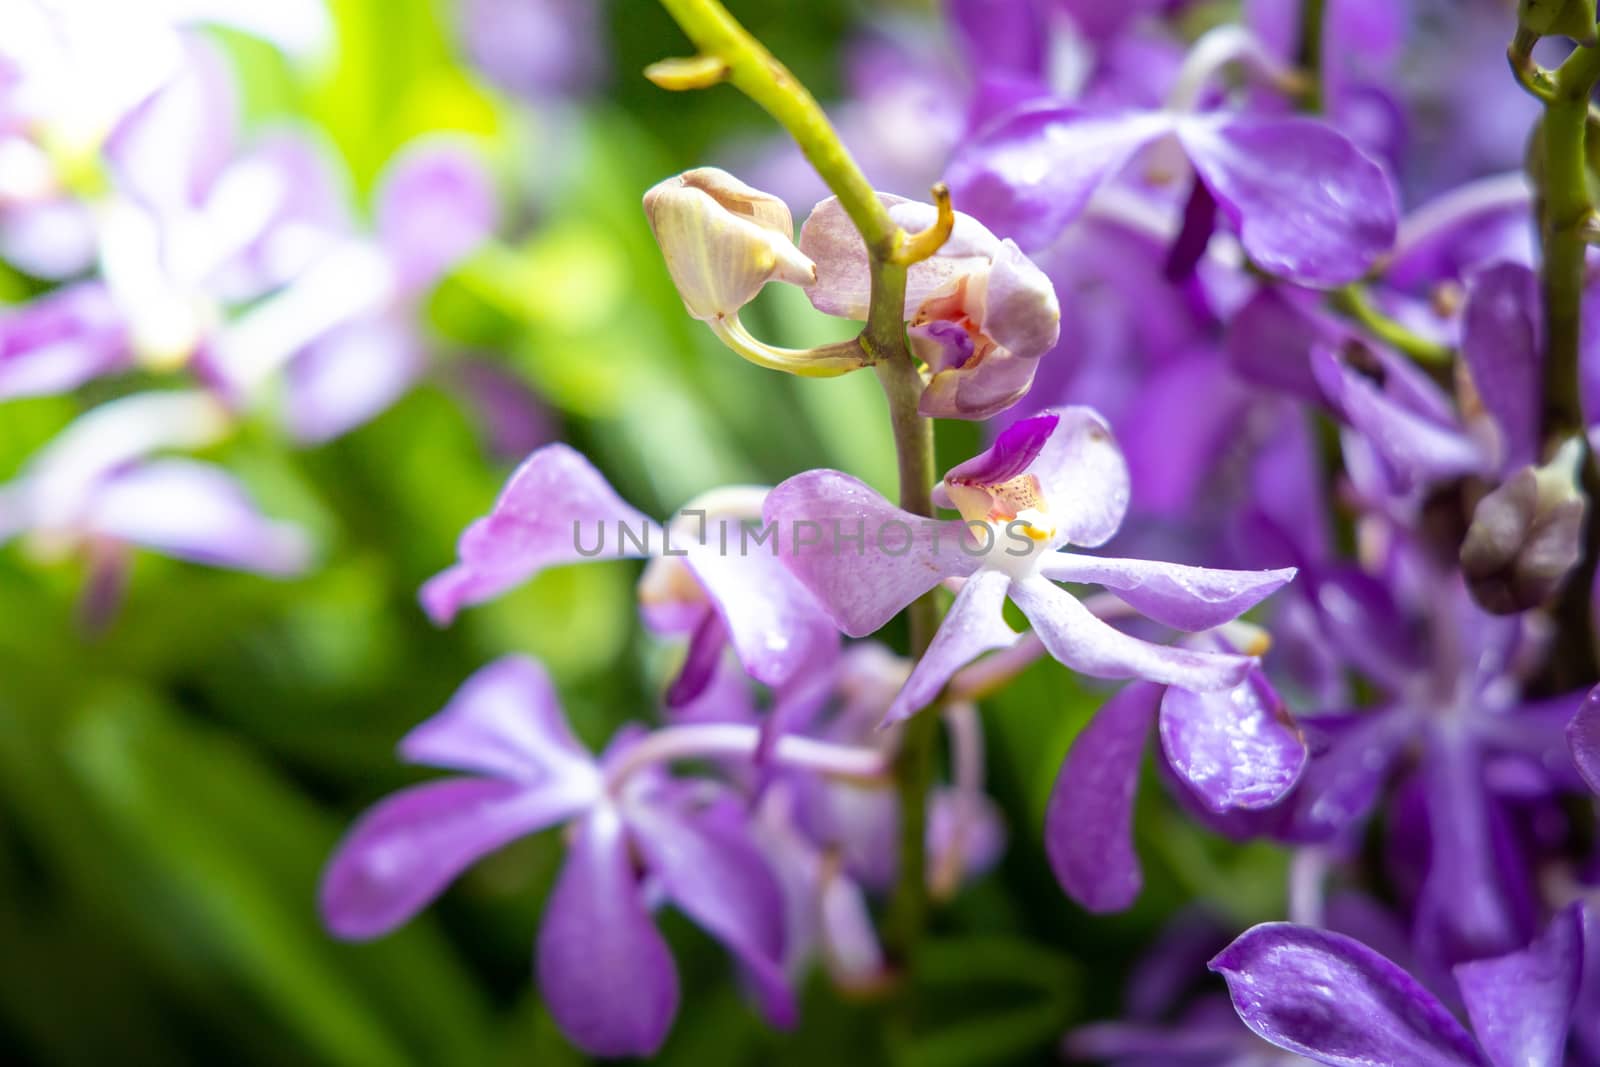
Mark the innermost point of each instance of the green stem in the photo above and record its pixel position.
(1313, 16)
(1354, 302)
(755, 72)
(1566, 213)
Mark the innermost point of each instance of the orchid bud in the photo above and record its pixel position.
(1558, 18)
(723, 240)
(1526, 535)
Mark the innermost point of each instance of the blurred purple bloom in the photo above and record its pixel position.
(102, 483)
(1308, 205)
(980, 313)
(603, 968)
(1331, 998)
(1052, 480)
(537, 49)
(705, 582)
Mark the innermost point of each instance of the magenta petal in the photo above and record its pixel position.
(1029, 175)
(1309, 206)
(1187, 598)
(1089, 821)
(1076, 638)
(709, 866)
(603, 967)
(1583, 736)
(403, 852)
(861, 557)
(1331, 998)
(1521, 1004)
(1502, 346)
(555, 503)
(1236, 748)
(197, 512)
(504, 721)
(975, 625)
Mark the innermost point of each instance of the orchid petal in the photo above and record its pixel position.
(1187, 598)
(974, 625)
(1076, 638)
(603, 968)
(1521, 1004)
(1089, 821)
(403, 852)
(1309, 205)
(861, 584)
(537, 522)
(504, 721)
(1236, 748)
(1331, 998)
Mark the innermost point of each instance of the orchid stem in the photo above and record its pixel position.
(1354, 302)
(1566, 216)
(729, 51)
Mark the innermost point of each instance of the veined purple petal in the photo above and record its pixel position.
(975, 625)
(1089, 821)
(1029, 175)
(1329, 997)
(554, 502)
(603, 968)
(861, 583)
(403, 852)
(1521, 1004)
(1236, 748)
(1188, 598)
(504, 721)
(1502, 345)
(1075, 637)
(435, 204)
(197, 512)
(1583, 735)
(710, 867)
(1309, 206)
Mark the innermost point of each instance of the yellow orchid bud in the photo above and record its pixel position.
(723, 240)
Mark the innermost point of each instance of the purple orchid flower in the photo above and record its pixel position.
(538, 49)
(1234, 749)
(636, 838)
(706, 578)
(1309, 206)
(1055, 479)
(1332, 999)
(342, 333)
(101, 486)
(60, 340)
(981, 314)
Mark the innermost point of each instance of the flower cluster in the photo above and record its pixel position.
(200, 272)
(1235, 349)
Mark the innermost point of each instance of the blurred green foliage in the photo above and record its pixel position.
(170, 789)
